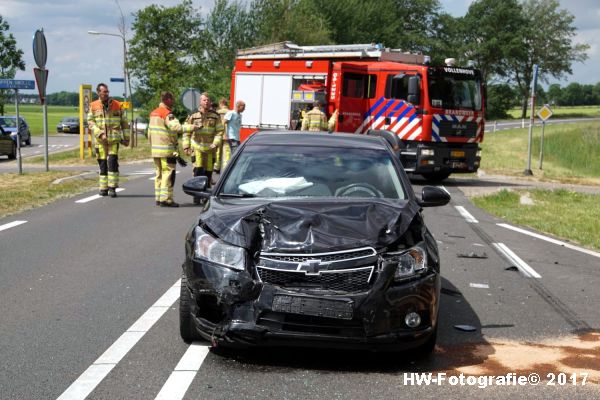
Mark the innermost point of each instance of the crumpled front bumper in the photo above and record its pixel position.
(232, 309)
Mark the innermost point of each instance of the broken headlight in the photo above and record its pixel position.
(208, 248)
(409, 263)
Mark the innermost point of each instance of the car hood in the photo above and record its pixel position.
(9, 129)
(309, 225)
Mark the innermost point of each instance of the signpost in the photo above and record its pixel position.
(544, 114)
(40, 54)
(85, 136)
(17, 84)
(191, 99)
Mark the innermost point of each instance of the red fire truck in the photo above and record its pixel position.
(436, 112)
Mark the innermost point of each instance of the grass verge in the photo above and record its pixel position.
(22, 192)
(571, 152)
(562, 112)
(561, 213)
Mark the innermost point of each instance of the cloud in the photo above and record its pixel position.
(75, 57)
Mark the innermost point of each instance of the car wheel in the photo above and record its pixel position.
(436, 176)
(28, 141)
(13, 154)
(187, 329)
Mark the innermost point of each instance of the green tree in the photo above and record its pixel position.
(11, 58)
(228, 27)
(298, 21)
(501, 97)
(554, 94)
(547, 38)
(166, 53)
(489, 32)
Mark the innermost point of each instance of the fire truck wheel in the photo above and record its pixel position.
(436, 176)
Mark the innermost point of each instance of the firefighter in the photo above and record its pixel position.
(206, 137)
(315, 120)
(223, 151)
(109, 126)
(163, 130)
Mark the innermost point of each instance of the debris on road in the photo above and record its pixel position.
(472, 254)
(465, 328)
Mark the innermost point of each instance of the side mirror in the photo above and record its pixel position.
(197, 187)
(433, 196)
(414, 90)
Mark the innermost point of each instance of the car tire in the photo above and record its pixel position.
(187, 329)
(436, 176)
(28, 141)
(13, 154)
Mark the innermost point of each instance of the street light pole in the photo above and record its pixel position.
(125, 81)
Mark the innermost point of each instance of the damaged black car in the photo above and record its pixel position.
(316, 240)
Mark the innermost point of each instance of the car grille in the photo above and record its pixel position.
(464, 129)
(323, 257)
(347, 280)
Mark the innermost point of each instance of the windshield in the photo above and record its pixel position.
(8, 122)
(455, 88)
(278, 171)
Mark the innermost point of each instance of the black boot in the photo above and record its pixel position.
(112, 192)
(103, 192)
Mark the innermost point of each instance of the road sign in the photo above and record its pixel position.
(117, 79)
(16, 84)
(191, 99)
(41, 78)
(545, 113)
(125, 105)
(40, 51)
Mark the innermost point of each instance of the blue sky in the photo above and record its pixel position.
(75, 57)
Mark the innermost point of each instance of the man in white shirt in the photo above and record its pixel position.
(233, 124)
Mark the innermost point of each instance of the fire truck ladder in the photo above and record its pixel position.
(289, 50)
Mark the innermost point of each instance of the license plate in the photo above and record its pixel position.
(458, 165)
(457, 154)
(328, 308)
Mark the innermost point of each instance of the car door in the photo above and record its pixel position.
(5, 142)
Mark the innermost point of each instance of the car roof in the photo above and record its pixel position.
(298, 138)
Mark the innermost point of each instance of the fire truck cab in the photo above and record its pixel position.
(436, 112)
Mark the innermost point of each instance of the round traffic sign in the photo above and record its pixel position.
(40, 51)
(191, 99)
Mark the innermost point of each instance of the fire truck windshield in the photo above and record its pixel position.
(455, 89)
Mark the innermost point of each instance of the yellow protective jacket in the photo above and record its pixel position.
(109, 119)
(163, 131)
(314, 121)
(207, 130)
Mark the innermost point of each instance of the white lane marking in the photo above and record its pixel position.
(94, 197)
(548, 239)
(181, 378)
(96, 373)
(466, 215)
(479, 285)
(11, 225)
(515, 259)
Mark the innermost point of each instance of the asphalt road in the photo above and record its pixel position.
(495, 126)
(89, 294)
(56, 143)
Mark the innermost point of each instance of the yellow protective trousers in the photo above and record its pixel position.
(108, 161)
(165, 178)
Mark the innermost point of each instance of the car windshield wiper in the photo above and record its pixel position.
(240, 195)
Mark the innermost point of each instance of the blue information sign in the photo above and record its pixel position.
(117, 80)
(16, 84)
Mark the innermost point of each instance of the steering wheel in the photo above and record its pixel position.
(358, 190)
